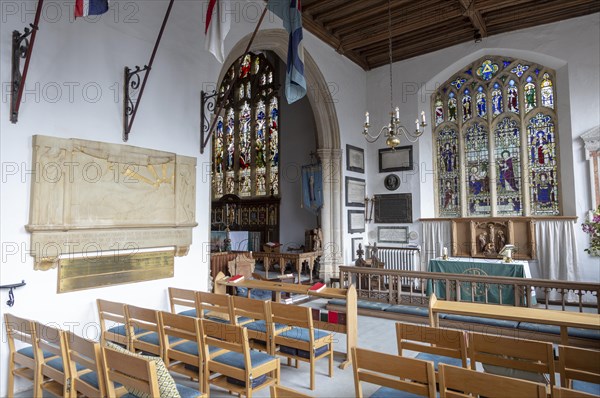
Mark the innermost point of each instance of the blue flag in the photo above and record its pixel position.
(312, 188)
(290, 11)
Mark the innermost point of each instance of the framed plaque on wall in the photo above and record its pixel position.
(393, 208)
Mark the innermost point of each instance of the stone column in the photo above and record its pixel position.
(331, 221)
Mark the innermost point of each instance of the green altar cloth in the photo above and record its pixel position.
(475, 267)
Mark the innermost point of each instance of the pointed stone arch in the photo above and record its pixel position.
(328, 138)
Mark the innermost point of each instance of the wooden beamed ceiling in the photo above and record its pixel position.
(358, 29)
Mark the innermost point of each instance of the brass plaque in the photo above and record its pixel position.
(91, 272)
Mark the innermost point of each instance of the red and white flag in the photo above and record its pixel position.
(217, 27)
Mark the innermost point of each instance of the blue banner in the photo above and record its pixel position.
(312, 188)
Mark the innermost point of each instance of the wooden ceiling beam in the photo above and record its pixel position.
(560, 9)
(356, 12)
(400, 29)
(470, 11)
(326, 36)
(321, 6)
(378, 22)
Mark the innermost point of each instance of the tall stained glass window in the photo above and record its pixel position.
(487, 117)
(246, 141)
(476, 162)
(449, 172)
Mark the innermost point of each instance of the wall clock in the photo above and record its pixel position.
(392, 182)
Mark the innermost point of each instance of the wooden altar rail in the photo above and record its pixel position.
(409, 287)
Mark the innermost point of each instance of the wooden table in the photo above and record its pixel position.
(350, 328)
(564, 319)
(297, 258)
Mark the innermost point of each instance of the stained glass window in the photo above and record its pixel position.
(508, 166)
(476, 163)
(246, 142)
(547, 92)
(485, 116)
(542, 165)
(467, 106)
(449, 172)
(530, 97)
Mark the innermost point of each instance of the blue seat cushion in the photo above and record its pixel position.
(340, 302)
(153, 338)
(28, 352)
(585, 386)
(516, 373)
(121, 330)
(408, 309)
(537, 327)
(257, 294)
(386, 392)
(553, 329)
(191, 313)
(187, 392)
(92, 379)
(372, 305)
(437, 359)
(191, 347)
(57, 363)
(253, 382)
(261, 326)
(302, 334)
(502, 323)
(236, 359)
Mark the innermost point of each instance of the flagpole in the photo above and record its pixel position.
(18, 82)
(220, 103)
(148, 68)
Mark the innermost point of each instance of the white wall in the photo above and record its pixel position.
(91, 55)
(571, 47)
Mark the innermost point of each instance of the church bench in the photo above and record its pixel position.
(519, 329)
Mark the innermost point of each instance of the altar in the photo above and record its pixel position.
(491, 267)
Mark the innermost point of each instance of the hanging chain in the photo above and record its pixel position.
(390, 50)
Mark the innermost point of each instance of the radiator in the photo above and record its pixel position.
(398, 258)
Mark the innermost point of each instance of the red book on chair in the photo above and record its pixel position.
(317, 287)
(236, 279)
(333, 317)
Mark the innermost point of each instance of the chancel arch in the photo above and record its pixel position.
(328, 137)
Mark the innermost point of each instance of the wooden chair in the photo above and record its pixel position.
(140, 374)
(86, 366)
(433, 344)
(562, 392)
(301, 341)
(257, 312)
(115, 313)
(213, 306)
(394, 373)
(459, 382)
(143, 327)
(278, 391)
(182, 298)
(240, 370)
(54, 372)
(21, 361)
(579, 369)
(506, 356)
(180, 335)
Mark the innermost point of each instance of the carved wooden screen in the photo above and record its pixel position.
(495, 133)
(245, 157)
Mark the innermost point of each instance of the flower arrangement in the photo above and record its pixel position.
(592, 228)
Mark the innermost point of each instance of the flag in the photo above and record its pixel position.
(83, 8)
(216, 29)
(312, 188)
(290, 11)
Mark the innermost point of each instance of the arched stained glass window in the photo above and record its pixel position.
(246, 142)
(496, 139)
(449, 172)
